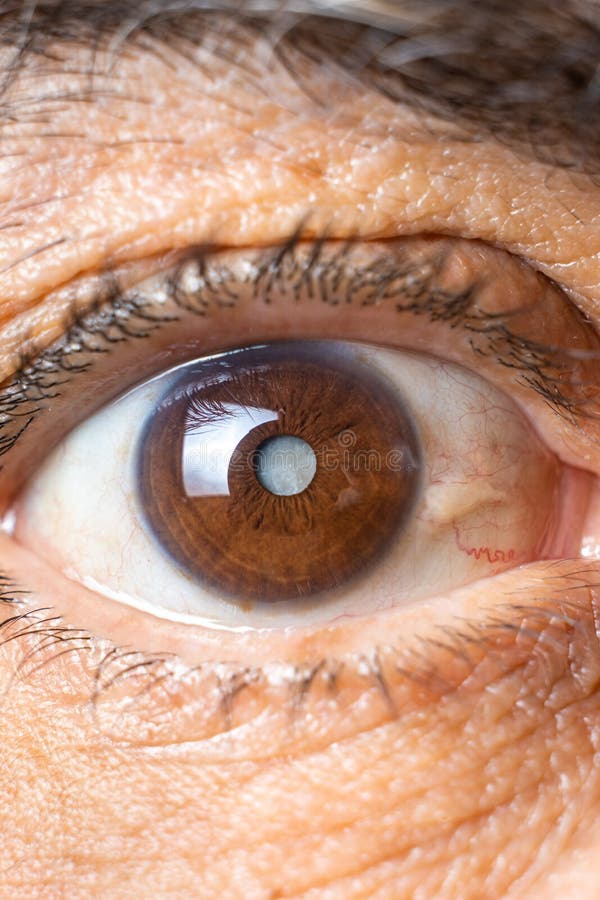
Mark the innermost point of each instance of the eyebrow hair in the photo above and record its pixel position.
(525, 71)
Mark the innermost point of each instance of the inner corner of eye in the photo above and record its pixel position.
(299, 481)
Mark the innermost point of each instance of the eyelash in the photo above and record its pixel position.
(398, 672)
(118, 315)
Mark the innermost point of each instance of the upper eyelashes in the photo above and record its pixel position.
(469, 298)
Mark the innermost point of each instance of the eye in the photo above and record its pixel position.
(288, 478)
(295, 481)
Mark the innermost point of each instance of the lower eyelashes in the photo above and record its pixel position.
(426, 478)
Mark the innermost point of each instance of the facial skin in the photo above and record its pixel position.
(457, 759)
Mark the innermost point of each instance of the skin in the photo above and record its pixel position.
(470, 772)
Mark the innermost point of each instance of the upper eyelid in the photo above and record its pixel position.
(117, 304)
(126, 315)
(117, 289)
(24, 286)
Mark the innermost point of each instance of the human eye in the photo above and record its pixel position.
(425, 475)
(190, 195)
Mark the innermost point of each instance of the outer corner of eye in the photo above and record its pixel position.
(296, 482)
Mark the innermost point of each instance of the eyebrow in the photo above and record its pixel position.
(522, 70)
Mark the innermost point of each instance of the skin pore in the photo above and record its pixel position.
(439, 750)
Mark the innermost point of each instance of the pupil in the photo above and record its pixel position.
(285, 465)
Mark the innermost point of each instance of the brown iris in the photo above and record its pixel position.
(278, 472)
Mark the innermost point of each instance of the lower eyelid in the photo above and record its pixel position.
(539, 620)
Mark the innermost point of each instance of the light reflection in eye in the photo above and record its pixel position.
(489, 494)
(209, 446)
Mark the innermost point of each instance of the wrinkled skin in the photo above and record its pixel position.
(471, 773)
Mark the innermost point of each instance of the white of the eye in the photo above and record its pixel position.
(285, 465)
